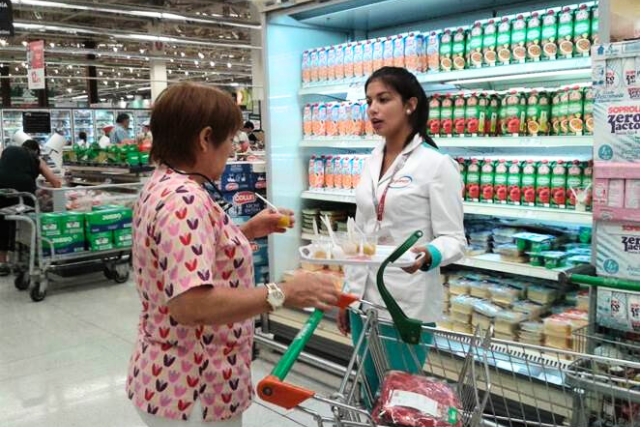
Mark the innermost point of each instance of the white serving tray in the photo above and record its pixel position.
(382, 252)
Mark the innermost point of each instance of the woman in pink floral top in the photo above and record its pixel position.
(194, 272)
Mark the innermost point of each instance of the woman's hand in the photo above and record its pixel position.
(344, 325)
(419, 262)
(311, 290)
(267, 222)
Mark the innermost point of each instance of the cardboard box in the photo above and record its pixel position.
(236, 176)
(123, 238)
(50, 224)
(100, 241)
(100, 221)
(72, 222)
(618, 250)
(65, 244)
(259, 181)
(245, 203)
(260, 250)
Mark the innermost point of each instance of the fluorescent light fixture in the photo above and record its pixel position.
(24, 43)
(200, 55)
(213, 64)
(228, 64)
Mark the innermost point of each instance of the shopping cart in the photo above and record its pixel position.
(32, 266)
(350, 404)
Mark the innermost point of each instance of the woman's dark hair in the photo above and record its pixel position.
(33, 146)
(407, 85)
(82, 135)
(249, 125)
(122, 117)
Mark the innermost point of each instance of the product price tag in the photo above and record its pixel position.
(416, 401)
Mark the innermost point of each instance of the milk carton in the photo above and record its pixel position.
(618, 250)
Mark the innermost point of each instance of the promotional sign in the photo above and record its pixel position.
(6, 18)
(35, 61)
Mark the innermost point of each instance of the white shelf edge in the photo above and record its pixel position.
(473, 75)
(485, 262)
(465, 141)
(329, 197)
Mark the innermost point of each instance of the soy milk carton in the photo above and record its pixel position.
(618, 250)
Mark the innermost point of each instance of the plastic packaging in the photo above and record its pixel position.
(475, 250)
(479, 289)
(481, 321)
(504, 295)
(508, 250)
(417, 401)
(554, 259)
(533, 242)
(579, 260)
(507, 321)
(458, 286)
(542, 295)
(463, 304)
(531, 310)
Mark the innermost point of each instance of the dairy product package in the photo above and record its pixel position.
(618, 250)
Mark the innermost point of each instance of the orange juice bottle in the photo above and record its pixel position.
(313, 65)
(339, 66)
(333, 119)
(398, 51)
(319, 120)
(331, 63)
(358, 165)
(358, 57)
(367, 57)
(322, 65)
(348, 61)
(329, 173)
(387, 52)
(343, 118)
(311, 173)
(306, 71)
(377, 54)
(357, 121)
(347, 173)
(307, 120)
(368, 126)
(337, 172)
(412, 52)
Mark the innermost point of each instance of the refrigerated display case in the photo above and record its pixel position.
(11, 123)
(83, 121)
(141, 117)
(132, 121)
(61, 123)
(103, 118)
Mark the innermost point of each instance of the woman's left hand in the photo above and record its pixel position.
(419, 262)
(269, 221)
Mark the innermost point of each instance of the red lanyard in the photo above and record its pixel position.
(380, 205)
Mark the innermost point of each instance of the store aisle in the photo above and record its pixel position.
(63, 361)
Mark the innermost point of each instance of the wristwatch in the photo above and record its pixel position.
(275, 296)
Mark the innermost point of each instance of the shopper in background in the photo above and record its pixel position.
(105, 139)
(194, 271)
(241, 142)
(19, 169)
(121, 131)
(82, 139)
(406, 185)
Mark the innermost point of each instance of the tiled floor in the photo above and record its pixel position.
(63, 361)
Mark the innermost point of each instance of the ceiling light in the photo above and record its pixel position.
(3, 42)
(17, 69)
(106, 83)
(129, 96)
(228, 64)
(213, 64)
(146, 58)
(141, 51)
(56, 71)
(196, 63)
(182, 54)
(200, 55)
(68, 80)
(52, 44)
(24, 43)
(100, 73)
(115, 49)
(130, 70)
(119, 74)
(186, 73)
(69, 66)
(171, 60)
(128, 56)
(137, 74)
(170, 71)
(69, 90)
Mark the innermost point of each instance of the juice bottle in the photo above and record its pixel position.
(514, 183)
(334, 119)
(515, 114)
(519, 40)
(474, 46)
(459, 105)
(358, 57)
(347, 173)
(320, 120)
(337, 172)
(398, 51)
(537, 113)
(582, 31)
(446, 46)
(543, 184)
(329, 180)
(314, 119)
(493, 108)
(529, 183)
(387, 52)
(358, 166)
(446, 116)
(563, 110)
(339, 67)
(313, 65)
(367, 57)
(587, 181)
(322, 65)
(595, 23)
(311, 173)
(473, 181)
(462, 168)
(489, 40)
(431, 54)
(487, 177)
(574, 181)
(433, 122)
(368, 126)
(412, 56)
(559, 185)
(357, 120)
(502, 117)
(344, 118)
(458, 50)
(306, 71)
(474, 115)
(378, 52)
(555, 114)
(331, 63)
(575, 107)
(501, 188)
(307, 120)
(550, 36)
(588, 110)
(504, 42)
(545, 113)
(348, 61)
(565, 33)
(534, 37)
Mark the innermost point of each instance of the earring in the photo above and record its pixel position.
(408, 112)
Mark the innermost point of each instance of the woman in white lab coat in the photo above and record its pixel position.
(406, 185)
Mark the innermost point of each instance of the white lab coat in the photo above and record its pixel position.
(425, 195)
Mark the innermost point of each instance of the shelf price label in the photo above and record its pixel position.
(634, 312)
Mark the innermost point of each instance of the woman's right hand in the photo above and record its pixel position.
(343, 322)
(310, 290)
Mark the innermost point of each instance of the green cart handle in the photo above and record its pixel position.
(274, 390)
(410, 329)
(605, 282)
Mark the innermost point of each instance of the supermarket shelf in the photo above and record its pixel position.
(466, 142)
(543, 72)
(329, 197)
(109, 169)
(307, 236)
(522, 212)
(494, 263)
(89, 255)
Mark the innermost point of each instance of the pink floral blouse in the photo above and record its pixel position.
(181, 240)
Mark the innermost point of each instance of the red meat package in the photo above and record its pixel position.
(414, 401)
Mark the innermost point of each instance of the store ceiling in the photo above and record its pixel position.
(202, 40)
